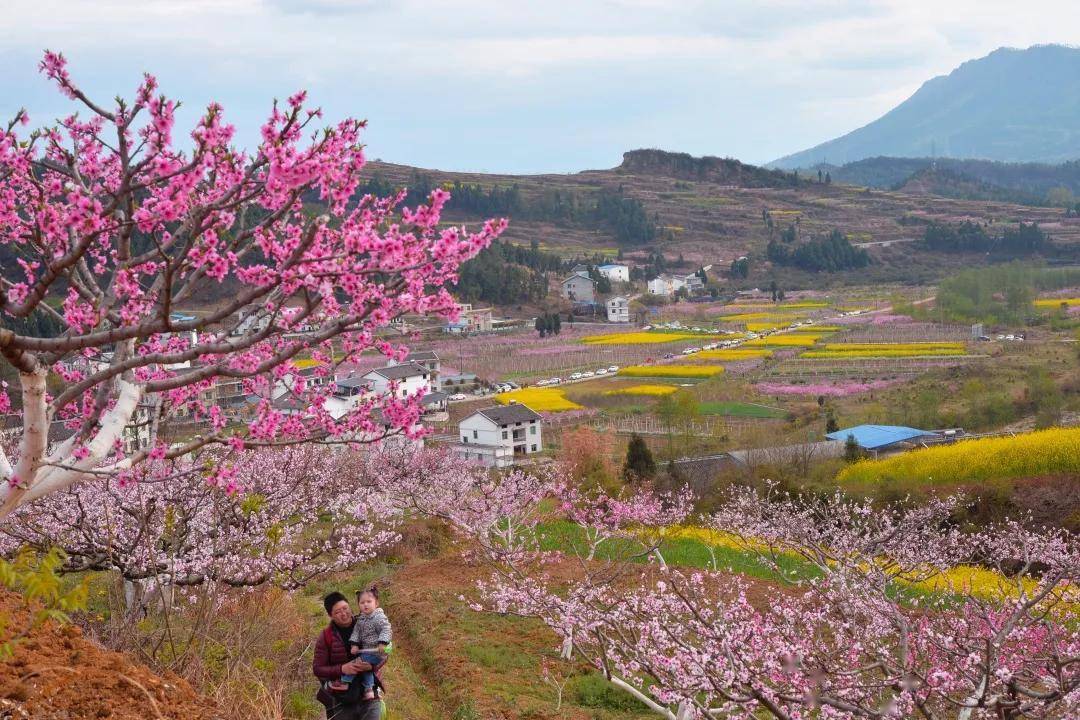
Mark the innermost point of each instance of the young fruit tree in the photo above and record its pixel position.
(138, 272)
(867, 613)
(284, 516)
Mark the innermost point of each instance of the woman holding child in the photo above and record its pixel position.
(335, 660)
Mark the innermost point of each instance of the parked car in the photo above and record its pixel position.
(588, 374)
(602, 371)
(457, 396)
(668, 356)
(613, 368)
(576, 376)
(555, 381)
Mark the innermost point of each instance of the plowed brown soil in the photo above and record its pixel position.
(57, 674)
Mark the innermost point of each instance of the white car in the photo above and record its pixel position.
(555, 381)
(457, 396)
(1000, 337)
(543, 383)
(613, 369)
(602, 371)
(576, 376)
(1010, 337)
(588, 374)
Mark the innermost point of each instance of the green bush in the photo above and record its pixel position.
(593, 691)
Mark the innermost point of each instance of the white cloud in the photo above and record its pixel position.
(753, 78)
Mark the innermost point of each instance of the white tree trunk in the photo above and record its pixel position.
(35, 438)
(567, 648)
(685, 712)
(37, 476)
(656, 707)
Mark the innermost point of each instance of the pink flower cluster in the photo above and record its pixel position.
(842, 388)
(119, 228)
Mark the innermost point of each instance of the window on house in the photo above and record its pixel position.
(532, 430)
(475, 434)
(534, 448)
(464, 439)
(504, 434)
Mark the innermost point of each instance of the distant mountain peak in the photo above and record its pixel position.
(1013, 105)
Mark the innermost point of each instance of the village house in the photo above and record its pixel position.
(472, 321)
(615, 273)
(427, 359)
(665, 285)
(579, 288)
(618, 310)
(500, 436)
(411, 379)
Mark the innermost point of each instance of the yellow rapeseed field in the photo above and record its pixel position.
(683, 371)
(764, 326)
(978, 580)
(1056, 450)
(885, 350)
(539, 399)
(654, 390)
(1056, 302)
(785, 341)
(733, 354)
(762, 317)
(638, 338)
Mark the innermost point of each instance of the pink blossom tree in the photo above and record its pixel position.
(285, 516)
(108, 228)
(871, 613)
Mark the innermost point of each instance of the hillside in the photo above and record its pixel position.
(712, 211)
(1028, 183)
(1012, 105)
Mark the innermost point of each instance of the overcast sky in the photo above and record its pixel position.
(545, 86)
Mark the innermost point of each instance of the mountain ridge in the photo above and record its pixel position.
(1013, 105)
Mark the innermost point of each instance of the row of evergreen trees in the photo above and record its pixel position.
(608, 209)
(1022, 241)
(829, 254)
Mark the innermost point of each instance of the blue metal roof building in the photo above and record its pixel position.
(878, 437)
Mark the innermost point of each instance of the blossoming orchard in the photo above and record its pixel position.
(111, 227)
(598, 501)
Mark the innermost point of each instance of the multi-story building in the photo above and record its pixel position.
(501, 435)
(579, 288)
(411, 380)
(618, 310)
(472, 321)
(615, 272)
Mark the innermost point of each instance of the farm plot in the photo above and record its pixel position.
(787, 340)
(645, 389)
(525, 356)
(1037, 453)
(886, 350)
(673, 371)
(1054, 303)
(733, 354)
(740, 409)
(540, 399)
(649, 337)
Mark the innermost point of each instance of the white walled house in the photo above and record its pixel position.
(618, 310)
(579, 288)
(412, 380)
(615, 273)
(424, 358)
(499, 436)
(666, 285)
